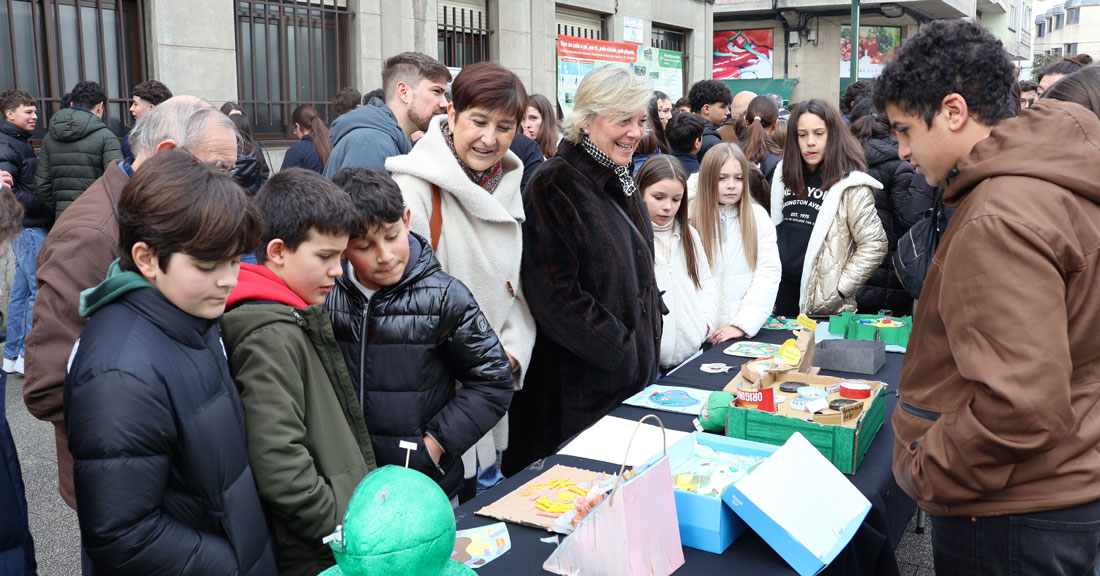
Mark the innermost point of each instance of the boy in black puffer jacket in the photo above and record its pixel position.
(408, 332)
(156, 428)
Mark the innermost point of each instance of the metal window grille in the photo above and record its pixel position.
(668, 39)
(289, 52)
(580, 31)
(53, 44)
(463, 36)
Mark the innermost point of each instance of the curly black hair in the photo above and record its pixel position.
(87, 94)
(855, 92)
(709, 92)
(152, 90)
(949, 57)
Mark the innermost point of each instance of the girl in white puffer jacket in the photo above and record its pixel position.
(683, 275)
(738, 239)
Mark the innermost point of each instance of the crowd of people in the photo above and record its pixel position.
(456, 279)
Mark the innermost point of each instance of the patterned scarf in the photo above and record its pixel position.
(623, 172)
(489, 179)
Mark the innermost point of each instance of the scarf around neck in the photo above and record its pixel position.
(489, 179)
(623, 172)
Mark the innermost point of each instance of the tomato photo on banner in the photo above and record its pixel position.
(876, 45)
(743, 54)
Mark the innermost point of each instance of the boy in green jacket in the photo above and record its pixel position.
(307, 440)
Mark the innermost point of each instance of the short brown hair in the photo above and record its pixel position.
(490, 86)
(12, 99)
(174, 203)
(411, 68)
(153, 91)
(346, 100)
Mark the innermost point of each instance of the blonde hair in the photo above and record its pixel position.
(706, 215)
(611, 91)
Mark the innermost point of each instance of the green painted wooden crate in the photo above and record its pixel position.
(844, 447)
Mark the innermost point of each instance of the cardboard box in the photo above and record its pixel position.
(813, 521)
(705, 522)
(844, 444)
(859, 356)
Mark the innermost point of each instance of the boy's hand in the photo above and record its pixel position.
(6, 182)
(513, 362)
(434, 449)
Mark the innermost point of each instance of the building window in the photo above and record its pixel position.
(1039, 30)
(1058, 19)
(53, 44)
(1073, 16)
(289, 52)
(1012, 21)
(580, 24)
(1071, 49)
(668, 39)
(463, 33)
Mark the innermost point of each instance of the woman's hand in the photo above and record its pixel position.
(725, 333)
(513, 362)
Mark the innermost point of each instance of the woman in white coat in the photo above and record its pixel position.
(739, 240)
(462, 185)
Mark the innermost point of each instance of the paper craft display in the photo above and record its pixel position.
(807, 527)
(632, 532)
(550, 494)
(670, 399)
(706, 523)
(707, 472)
(608, 439)
(889, 329)
(781, 323)
(476, 547)
(747, 349)
(755, 369)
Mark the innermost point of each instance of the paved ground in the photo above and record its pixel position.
(54, 525)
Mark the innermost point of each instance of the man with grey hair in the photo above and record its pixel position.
(84, 242)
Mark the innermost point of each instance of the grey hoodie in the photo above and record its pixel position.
(365, 138)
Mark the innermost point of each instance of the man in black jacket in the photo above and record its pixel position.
(17, 157)
(710, 99)
(408, 332)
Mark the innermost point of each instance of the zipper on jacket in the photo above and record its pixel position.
(919, 412)
(363, 359)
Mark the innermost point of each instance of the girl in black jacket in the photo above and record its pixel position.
(904, 199)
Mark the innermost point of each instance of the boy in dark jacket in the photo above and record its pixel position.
(408, 332)
(155, 425)
(77, 149)
(307, 440)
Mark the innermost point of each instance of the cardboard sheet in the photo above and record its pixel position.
(518, 506)
(607, 441)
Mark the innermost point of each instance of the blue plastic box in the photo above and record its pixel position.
(706, 523)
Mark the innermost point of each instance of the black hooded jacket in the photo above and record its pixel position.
(904, 198)
(157, 435)
(405, 350)
(17, 157)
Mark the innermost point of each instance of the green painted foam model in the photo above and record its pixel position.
(399, 523)
(713, 416)
(889, 329)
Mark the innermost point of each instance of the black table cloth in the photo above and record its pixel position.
(871, 551)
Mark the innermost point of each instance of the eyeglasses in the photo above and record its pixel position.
(219, 165)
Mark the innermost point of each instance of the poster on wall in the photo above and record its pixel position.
(662, 69)
(743, 54)
(876, 45)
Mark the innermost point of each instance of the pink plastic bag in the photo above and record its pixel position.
(633, 532)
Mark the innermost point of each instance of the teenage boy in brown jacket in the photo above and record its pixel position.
(997, 432)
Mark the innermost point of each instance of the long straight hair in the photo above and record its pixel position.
(706, 216)
(666, 167)
(549, 135)
(843, 154)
